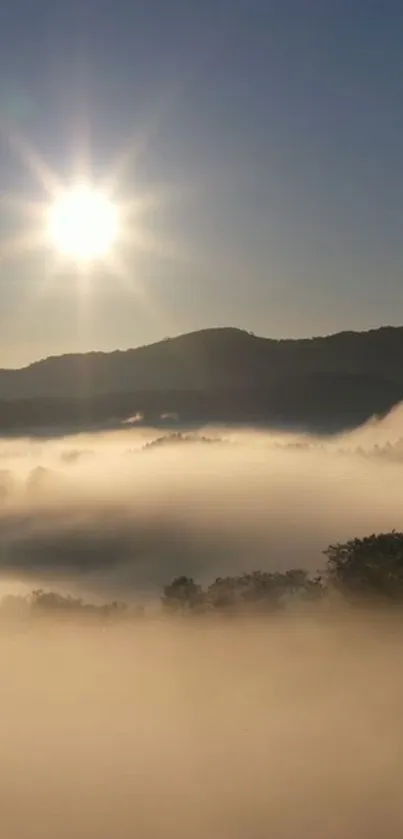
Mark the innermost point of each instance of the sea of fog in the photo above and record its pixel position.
(119, 513)
(173, 729)
(288, 727)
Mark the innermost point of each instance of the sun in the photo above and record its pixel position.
(83, 224)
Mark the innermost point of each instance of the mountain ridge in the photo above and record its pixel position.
(217, 374)
(208, 330)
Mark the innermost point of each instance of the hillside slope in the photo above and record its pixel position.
(214, 375)
(209, 359)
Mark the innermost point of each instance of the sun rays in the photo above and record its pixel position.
(85, 226)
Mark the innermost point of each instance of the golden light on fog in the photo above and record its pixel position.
(83, 224)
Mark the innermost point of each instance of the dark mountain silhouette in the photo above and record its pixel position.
(218, 375)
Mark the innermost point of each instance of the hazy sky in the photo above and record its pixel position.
(273, 128)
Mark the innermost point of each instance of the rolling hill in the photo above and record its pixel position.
(221, 374)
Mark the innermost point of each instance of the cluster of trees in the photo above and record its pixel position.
(388, 450)
(179, 437)
(256, 591)
(368, 570)
(40, 602)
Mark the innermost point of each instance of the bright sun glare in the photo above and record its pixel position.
(83, 224)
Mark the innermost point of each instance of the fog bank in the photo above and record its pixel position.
(110, 515)
(169, 730)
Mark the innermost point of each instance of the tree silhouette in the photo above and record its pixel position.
(368, 569)
(371, 567)
(262, 590)
(258, 591)
(183, 594)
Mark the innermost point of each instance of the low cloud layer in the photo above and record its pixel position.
(180, 731)
(109, 514)
(287, 727)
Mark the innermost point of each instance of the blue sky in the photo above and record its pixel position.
(274, 129)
